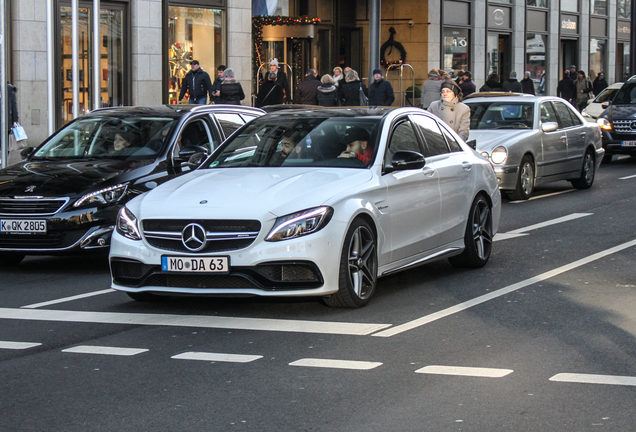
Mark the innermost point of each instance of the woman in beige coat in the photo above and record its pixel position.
(451, 110)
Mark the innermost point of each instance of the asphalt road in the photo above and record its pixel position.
(541, 339)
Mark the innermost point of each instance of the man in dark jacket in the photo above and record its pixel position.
(197, 83)
(270, 93)
(599, 83)
(512, 85)
(216, 86)
(380, 91)
(467, 85)
(565, 88)
(527, 84)
(281, 79)
(307, 91)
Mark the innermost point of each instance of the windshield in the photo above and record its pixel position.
(626, 95)
(132, 137)
(501, 115)
(606, 95)
(300, 142)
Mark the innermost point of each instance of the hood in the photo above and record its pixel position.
(246, 193)
(617, 112)
(488, 139)
(63, 177)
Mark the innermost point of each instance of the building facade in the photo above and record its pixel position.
(146, 46)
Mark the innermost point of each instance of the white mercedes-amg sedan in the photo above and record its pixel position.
(313, 202)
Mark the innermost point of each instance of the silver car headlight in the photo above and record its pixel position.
(127, 224)
(584, 112)
(299, 224)
(499, 155)
(108, 195)
(485, 155)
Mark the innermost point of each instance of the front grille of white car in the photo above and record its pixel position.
(624, 126)
(221, 235)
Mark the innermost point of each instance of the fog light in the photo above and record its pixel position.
(101, 241)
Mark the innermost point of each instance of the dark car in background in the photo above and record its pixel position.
(63, 198)
(618, 122)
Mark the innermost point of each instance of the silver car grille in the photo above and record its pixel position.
(31, 206)
(624, 126)
(220, 235)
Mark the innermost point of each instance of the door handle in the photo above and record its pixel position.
(583, 133)
(467, 166)
(428, 172)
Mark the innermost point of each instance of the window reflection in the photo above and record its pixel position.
(456, 49)
(624, 9)
(538, 3)
(535, 60)
(598, 7)
(570, 5)
(597, 56)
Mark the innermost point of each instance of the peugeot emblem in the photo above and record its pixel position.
(30, 188)
(193, 237)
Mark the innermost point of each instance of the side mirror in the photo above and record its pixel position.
(404, 160)
(605, 105)
(186, 153)
(472, 144)
(25, 153)
(549, 126)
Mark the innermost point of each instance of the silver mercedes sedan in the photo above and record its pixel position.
(533, 140)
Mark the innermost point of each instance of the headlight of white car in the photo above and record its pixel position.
(299, 224)
(584, 112)
(127, 224)
(499, 155)
(604, 123)
(108, 195)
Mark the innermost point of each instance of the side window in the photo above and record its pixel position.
(562, 107)
(402, 138)
(195, 133)
(229, 122)
(547, 113)
(435, 142)
(450, 139)
(564, 115)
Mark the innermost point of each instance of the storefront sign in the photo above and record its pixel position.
(623, 31)
(498, 17)
(570, 24)
(271, 32)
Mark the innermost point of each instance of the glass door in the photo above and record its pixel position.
(112, 59)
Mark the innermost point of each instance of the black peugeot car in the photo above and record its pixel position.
(63, 198)
(618, 122)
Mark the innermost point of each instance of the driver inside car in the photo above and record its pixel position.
(287, 146)
(357, 141)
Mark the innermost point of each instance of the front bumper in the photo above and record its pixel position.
(613, 143)
(506, 176)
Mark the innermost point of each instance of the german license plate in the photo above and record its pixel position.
(22, 226)
(628, 143)
(195, 264)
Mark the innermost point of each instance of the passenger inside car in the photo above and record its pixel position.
(357, 141)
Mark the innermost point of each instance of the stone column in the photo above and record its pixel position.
(240, 46)
(146, 36)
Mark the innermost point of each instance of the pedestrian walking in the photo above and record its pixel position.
(380, 91)
(197, 83)
(450, 109)
(270, 93)
(430, 89)
(216, 85)
(328, 92)
(512, 85)
(307, 91)
(584, 90)
(349, 91)
(566, 89)
(527, 85)
(231, 90)
(493, 84)
(599, 83)
(467, 85)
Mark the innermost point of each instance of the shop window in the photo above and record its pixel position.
(193, 34)
(456, 50)
(598, 55)
(598, 7)
(570, 5)
(535, 60)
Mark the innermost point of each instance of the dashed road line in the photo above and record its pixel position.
(68, 299)
(464, 371)
(594, 379)
(217, 357)
(500, 292)
(536, 197)
(105, 350)
(523, 231)
(336, 364)
(201, 321)
(628, 177)
(18, 345)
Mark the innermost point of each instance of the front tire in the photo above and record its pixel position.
(478, 236)
(358, 268)
(587, 173)
(525, 180)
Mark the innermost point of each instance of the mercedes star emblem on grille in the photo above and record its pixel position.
(193, 237)
(30, 188)
(632, 125)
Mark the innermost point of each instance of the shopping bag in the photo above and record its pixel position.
(364, 101)
(19, 133)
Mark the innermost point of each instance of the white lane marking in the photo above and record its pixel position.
(105, 350)
(217, 357)
(18, 345)
(628, 177)
(594, 379)
(67, 299)
(500, 292)
(521, 231)
(536, 197)
(465, 371)
(336, 364)
(201, 321)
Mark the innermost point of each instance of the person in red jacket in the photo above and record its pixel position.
(357, 141)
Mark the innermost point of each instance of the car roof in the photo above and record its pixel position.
(496, 94)
(374, 112)
(172, 111)
(510, 97)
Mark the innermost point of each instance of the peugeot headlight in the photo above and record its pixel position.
(604, 123)
(127, 224)
(108, 195)
(499, 155)
(299, 224)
